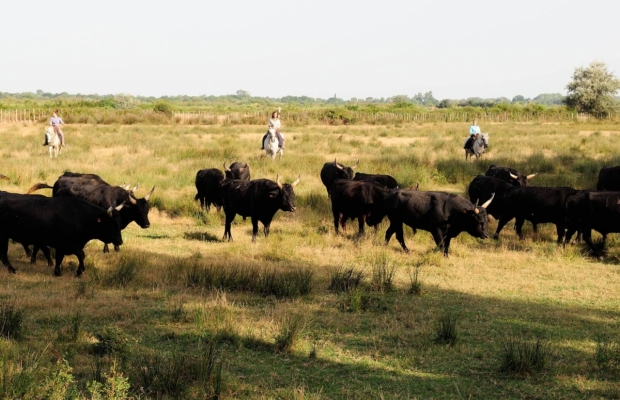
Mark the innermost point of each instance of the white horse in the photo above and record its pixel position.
(53, 141)
(478, 147)
(271, 145)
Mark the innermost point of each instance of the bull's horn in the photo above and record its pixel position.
(110, 210)
(120, 207)
(513, 176)
(530, 176)
(476, 205)
(337, 166)
(486, 203)
(278, 181)
(476, 211)
(148, 195)
(356, 164)
(134, 188)
(296, 181)
(132, 200)
(225, 167)
(125, 186)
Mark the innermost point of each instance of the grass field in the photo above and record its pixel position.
(176, 303)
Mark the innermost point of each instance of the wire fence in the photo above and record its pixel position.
(323, 116)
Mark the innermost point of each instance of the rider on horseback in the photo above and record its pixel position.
(274, 125)
(55, 122)
(474, 132)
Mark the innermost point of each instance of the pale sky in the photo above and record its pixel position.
(454, 48)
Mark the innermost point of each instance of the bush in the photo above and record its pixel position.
(357, 301)
(523, 357)
(445, 330)
(382, 274)
(344, 280)
(415, 286)
(111, 341)
(126, 271)
(170, 374)
(115, 387)
(607, 356)
(163, 108)
(10, 320)
(289, 332)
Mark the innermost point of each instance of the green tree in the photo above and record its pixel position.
(592, 89)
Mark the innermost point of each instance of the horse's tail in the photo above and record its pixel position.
(38, 186)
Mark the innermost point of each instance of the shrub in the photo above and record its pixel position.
(111, 341)
(289, 332)
(10, 320)
(607, 356)
(170, 374)
(357, 301)
(382, 274)
(445, 330)
(344, 280)
(415, 286)
(163, 108)
(523, 357)
(126, 271)
(115, 387)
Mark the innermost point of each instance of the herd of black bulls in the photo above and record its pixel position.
(82, 207)
(85, 207)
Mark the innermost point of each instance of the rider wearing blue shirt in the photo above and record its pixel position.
(474, 131)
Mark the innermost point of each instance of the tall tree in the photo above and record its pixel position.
(592, 89)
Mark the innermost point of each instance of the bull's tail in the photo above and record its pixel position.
(38, 186)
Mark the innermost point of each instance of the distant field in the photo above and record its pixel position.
(153, 304)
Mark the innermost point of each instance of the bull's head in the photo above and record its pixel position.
(345, 172)
(477, 221)
(287, 194)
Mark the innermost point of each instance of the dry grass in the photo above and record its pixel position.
(495, 288)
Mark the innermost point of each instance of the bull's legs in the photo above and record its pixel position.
(266, 226)
(254, 228)
(519, 227)
(500, 225)
(106, 249)
(587, 237)
(117, 248)
(361, 220)
(80, 255)
(446, 245)
(229, 219)
(398, 229)
(4, 249)
(439, 238)
(569, 234)
(59, 257)
(46, 253)
(27, 250)
(337, 219)
(560, 231)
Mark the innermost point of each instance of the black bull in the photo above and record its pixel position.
(63, 223)
(259, 199)
(385, 180)
(537, 205)
(608, 179)
(593, 210)
(357, 199)
(510, 175)
(444, 215)
(333, 171)
(208, 183)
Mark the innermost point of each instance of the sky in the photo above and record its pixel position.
(270, 48)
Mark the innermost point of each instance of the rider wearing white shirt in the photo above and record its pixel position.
(274, 126)
(474, 131)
